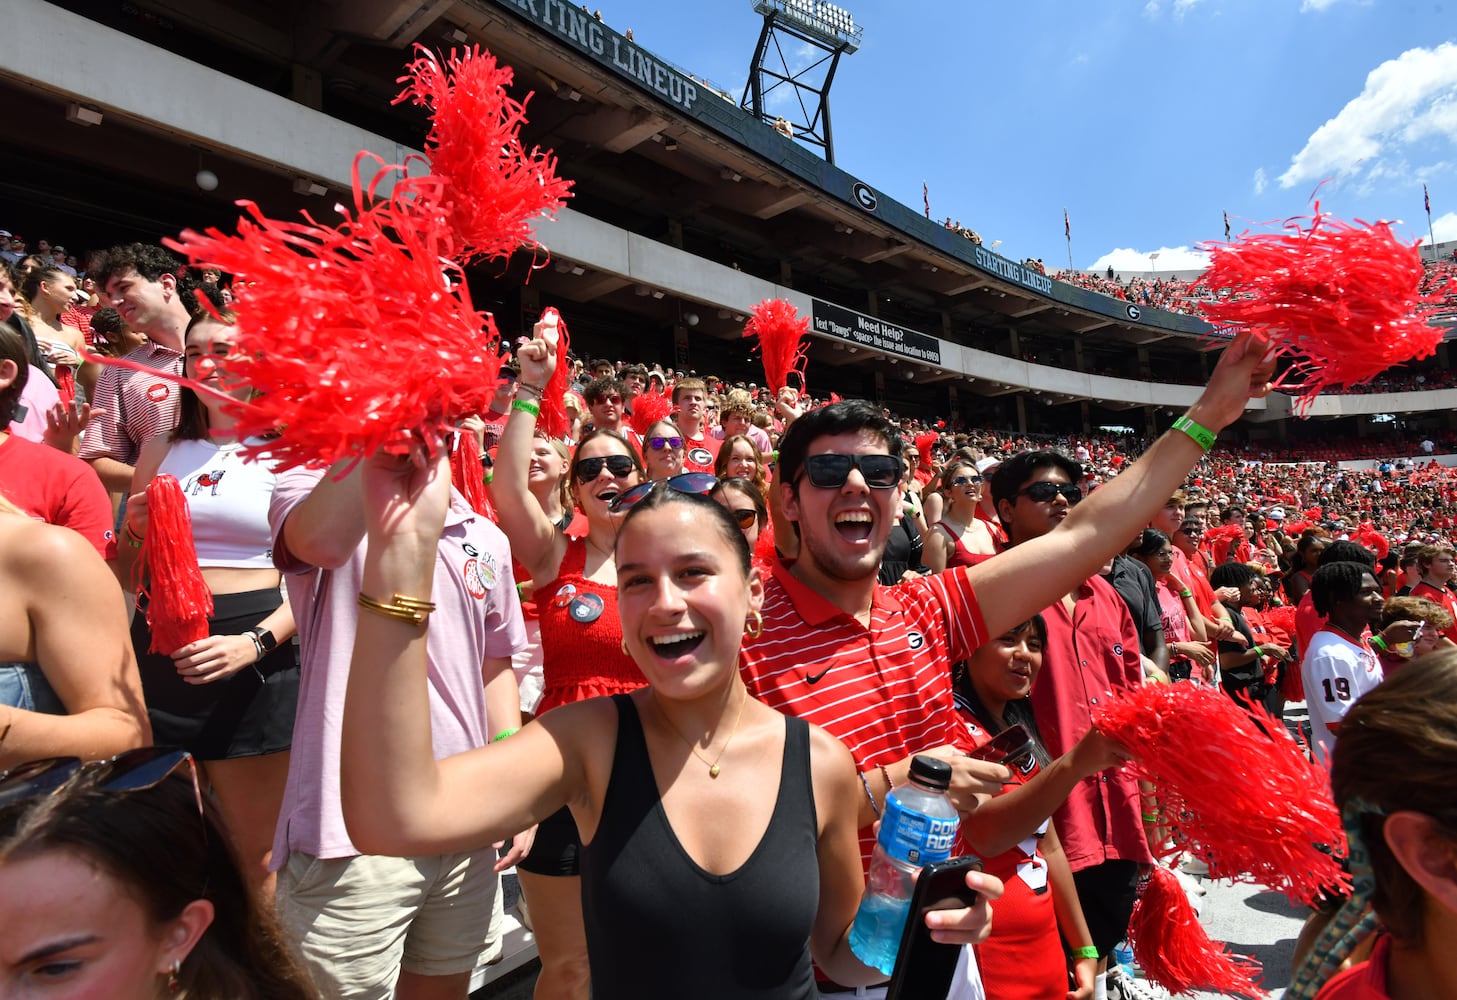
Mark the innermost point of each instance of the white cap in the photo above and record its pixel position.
(987, 464)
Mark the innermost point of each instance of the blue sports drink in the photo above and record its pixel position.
(917, 827)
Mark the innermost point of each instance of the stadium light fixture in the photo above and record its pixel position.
(826, 22)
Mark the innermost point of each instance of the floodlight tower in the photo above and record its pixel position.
(830, 32)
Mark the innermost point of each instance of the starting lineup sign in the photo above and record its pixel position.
(877, 334)
(576, 27)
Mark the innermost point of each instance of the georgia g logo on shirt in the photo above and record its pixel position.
(700, 456)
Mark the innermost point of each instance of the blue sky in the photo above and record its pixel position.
(1145, 119)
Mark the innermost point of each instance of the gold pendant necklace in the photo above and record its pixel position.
(713, 768)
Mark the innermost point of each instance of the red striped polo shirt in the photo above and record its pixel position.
(883, 691)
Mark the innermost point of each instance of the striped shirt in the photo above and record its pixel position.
(883, 691)
(138, 406)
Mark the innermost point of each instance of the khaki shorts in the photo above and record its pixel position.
(357, 922)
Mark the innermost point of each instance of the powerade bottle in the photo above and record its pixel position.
(917, 827)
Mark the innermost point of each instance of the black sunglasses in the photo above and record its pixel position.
(621, 466)
(133, 771)
(966, 481)
(1046, 492)
(700, 483)
(830, 471)
(659, 443)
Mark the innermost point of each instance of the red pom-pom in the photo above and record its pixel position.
(647, 409)
(1343, 301)
(552, 420)
(1255, 807)
(1373, 540)
(765, 554)
(179, 601)
(468, 475)
(924, 443)
(65, 383)
(357, 338)
(1174, 950)
(494, 189)
(781, 331)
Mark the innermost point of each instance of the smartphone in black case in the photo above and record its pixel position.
(923, 967)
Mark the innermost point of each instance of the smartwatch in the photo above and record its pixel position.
(264, 638)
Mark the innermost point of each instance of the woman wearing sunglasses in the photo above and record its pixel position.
(574, 585)
(742, 499)
(678, 900)
(56, 695)
(663, 450)
(116, 881)
(960, 537)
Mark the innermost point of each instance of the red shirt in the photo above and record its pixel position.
(883, 691)
(1442, 597)
(1308, 621)
(1088, 655)
(1366, 981)
(699, 454)
(1022, 960)
(56, 488)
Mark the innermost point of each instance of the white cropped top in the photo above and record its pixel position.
(228, 499)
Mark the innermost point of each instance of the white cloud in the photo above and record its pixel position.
(1261, 180)
(1182, 7)
(1406, 100)
(1126, 260)
(1151, 9)
(1316, 6)
(1444, 228)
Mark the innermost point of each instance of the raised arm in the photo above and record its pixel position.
(327, 526)
(535, 542)
(1027, 578)
(397, 798)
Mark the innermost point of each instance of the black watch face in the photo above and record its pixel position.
(266, 640)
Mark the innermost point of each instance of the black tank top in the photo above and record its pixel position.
(659, 926)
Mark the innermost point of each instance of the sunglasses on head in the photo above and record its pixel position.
(621, 466)
(133, 771)
(831, 471)
(1046, 492)
(659, 443)
(700, 483)
(966, 481)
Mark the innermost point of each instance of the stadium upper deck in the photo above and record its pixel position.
(687, 210)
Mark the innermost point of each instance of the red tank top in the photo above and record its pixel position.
(581, 636)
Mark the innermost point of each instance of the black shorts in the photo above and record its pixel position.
(1107, 893)
(245, 715)
(557, 848)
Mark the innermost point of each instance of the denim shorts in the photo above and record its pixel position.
(23, 685)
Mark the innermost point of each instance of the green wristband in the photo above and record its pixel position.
(1380, 643)
(503, 734)
(1086, 951)
(1201, 435)
(1150, 818)
(1257, 651)
(525, 406)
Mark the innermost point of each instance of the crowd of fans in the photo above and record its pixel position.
(343, 766)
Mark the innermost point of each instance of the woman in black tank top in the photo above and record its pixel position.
(720, 850)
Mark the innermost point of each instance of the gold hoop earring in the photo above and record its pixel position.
(173, 983)
(754, 627)
(624, 649)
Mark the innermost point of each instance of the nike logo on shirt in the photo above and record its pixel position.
(816, 678)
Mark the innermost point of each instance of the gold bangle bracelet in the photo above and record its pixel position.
(399, 607)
